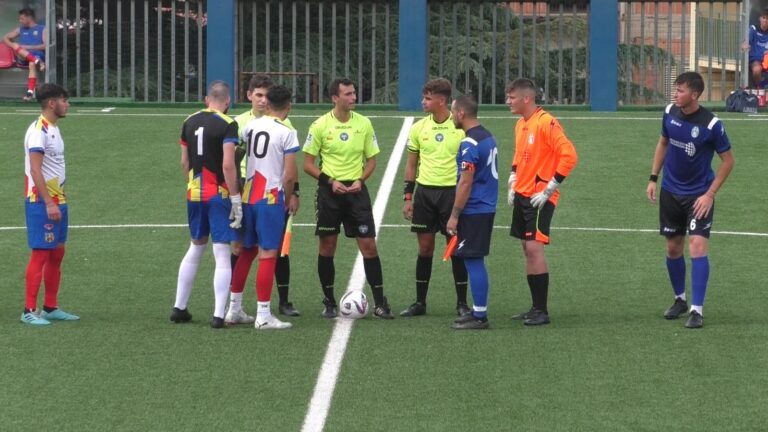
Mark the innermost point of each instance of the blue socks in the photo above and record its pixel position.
(676, 269)
(478, 282)
(699, 278)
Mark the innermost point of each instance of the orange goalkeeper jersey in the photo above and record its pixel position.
(541, 151)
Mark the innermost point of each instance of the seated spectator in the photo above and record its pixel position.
(28, 42)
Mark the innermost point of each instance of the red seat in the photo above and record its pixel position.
(7, 57)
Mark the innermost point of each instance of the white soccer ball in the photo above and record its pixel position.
(354, 305)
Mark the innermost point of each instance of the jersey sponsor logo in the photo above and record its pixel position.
(439, 137)
(695, 131)
(689, 148)
(344, 136)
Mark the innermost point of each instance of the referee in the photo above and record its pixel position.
(432, 146)
(345, 143)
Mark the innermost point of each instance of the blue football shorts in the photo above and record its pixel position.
(211, 217)
(263, 225)
(43, 233)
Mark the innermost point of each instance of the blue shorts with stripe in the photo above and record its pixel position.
(43, 233)
(211, 217)
(263, 225)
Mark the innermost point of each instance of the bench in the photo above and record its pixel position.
(245, 77)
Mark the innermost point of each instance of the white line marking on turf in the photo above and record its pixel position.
(320, 403)
(311, 225)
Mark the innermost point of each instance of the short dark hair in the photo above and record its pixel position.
(468, 104)
(48, 91)
(218, 90)
(764, 12)
(438, 86)
(259, 81)
(521, 84)
(693, 80)
(27, 12)
(279, 96)
(333, 88)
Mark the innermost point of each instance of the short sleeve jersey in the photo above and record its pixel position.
(692, 141)
(436, 145)
(44, 137)
(541, 151)
(344, 147)
(758, 43)
(267, 141)
(478, 153)
(243, 120)
(204, 135)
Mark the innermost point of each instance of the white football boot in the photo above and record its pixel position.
(272, 323)
(238, 317)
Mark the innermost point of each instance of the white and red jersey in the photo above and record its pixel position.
(267, 141)
(44, 137)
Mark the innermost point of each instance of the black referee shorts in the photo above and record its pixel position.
(354, 210)
(432, 207)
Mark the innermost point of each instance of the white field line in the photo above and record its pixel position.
(320, 404)
(311, 225)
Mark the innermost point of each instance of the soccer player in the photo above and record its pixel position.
(270, 174)
(346, 145)
(474, 206)
(46, 206)
(208, 140)
(30, 48)
(690, 136)
(432, 146)
(543, 158)
(257, 94)
(757, 47)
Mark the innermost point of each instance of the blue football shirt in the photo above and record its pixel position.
(478, 152)
(692, 142)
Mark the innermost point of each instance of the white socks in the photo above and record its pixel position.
(236, 302)
(222, 276)
(262, 311)
(187, 272)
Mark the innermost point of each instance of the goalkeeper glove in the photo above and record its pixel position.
(236, 214)
(511, 182)
(540, 198)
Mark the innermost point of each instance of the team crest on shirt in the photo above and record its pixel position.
(34, 33)
(344, 136)
(49, 237)
(695, 131)
(439, 137)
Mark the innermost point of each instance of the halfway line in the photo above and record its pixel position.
(320, 403)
